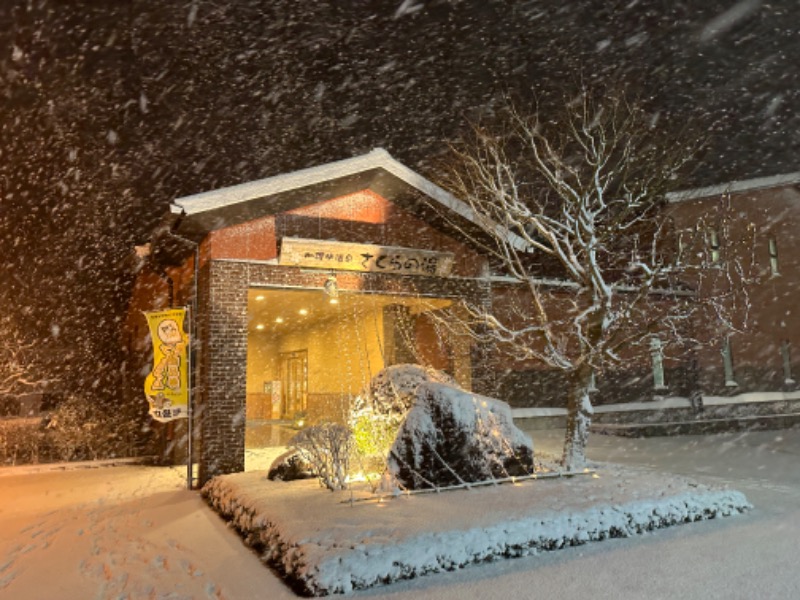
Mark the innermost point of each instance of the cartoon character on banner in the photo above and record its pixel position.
(167, 373)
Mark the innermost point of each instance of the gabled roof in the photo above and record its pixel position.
(745, 185)
(377, 171)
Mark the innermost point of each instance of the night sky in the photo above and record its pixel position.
(109, 110)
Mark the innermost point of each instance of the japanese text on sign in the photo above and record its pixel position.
(364, 257)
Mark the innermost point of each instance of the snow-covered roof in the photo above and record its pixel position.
(745, 185)
(252, 190)
(377, 171)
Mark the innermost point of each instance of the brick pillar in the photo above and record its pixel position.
(223, 373)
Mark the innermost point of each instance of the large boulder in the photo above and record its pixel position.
(394, 389)
(451, 436)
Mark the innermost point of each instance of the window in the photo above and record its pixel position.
(773, 256)
(657, 352)
(787, 363)
(713, 245)
(592, 383)
(727, 364)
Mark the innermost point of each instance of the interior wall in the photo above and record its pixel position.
(343, 355)
(262, 361)
(262, 367)
(346, 346)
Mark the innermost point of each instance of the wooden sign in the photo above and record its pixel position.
(343, 256)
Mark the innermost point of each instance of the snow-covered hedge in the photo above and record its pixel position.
(324, 548)
(75, 430)
(22, 441)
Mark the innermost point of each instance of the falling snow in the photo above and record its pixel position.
(108, 113)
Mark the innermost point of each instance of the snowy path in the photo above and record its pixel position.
(134, 532)
(122, 532)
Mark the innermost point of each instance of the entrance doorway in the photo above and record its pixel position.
(309, 355)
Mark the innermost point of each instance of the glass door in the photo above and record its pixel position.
(294, 383)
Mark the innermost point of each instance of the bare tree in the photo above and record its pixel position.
(580, 201)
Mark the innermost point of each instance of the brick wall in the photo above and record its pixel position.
(745, 223)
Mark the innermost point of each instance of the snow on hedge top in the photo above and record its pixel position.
(323, 544)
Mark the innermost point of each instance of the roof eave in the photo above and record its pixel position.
(278, 184)
(732, 187)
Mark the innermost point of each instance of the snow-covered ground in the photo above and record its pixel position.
(120, 533)
(135, 532)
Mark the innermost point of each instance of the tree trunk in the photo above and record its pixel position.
(579, 417)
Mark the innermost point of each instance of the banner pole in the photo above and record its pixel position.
(190, 393)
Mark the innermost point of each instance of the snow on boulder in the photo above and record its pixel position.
(451, 436)
(393, 390)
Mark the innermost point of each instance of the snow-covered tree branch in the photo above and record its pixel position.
(601, 263)
(17, 369)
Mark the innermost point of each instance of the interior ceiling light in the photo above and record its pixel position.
(334, 301)
(303, 311)
(259, 297)
(260, 326)
(331, 289)
(279, 319)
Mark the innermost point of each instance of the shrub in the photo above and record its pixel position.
(373, 433)
(373, 436)
(22, 441)
(327, 447)
(76, 430)
(79, 430)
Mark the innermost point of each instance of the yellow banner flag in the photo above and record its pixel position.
(167, 385)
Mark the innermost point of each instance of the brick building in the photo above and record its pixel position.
(305, 285)
(747, 378)
(755, 222)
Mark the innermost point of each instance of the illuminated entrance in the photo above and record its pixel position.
(309, 354)
(256, 261)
